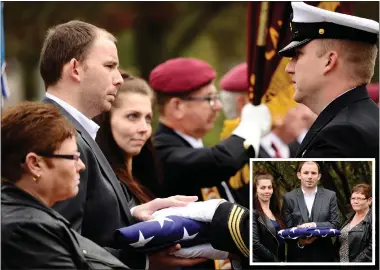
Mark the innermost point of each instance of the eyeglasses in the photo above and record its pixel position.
(210, 99)
(358, 199)
(75, 156)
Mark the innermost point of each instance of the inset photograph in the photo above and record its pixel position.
(312, 210)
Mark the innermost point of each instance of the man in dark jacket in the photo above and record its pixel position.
(330, 77)
(79, 66)
(188, 104)
(307, 207)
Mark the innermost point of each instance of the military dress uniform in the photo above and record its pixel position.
(348, 127)
(230, 232)
(188, 167)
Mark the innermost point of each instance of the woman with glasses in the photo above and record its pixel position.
(355, 242)
(124, 137)
(40, 166)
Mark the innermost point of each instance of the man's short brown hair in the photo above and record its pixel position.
(358, 57)
(64, 42)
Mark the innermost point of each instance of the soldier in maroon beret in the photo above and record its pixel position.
(234, 91)
(188, 106)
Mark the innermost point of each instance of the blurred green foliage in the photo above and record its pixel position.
(148, 33)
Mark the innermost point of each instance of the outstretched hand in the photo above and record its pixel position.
(144, 211)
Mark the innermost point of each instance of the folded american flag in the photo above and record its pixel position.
(294, 233)
(163, 232)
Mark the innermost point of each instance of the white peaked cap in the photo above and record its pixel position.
(309, 22)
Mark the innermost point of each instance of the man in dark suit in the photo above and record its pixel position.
(79, 66)
(333, 58)
(306, 207)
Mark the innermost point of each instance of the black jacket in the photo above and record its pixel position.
(324, 213)
(347, 128)
(265, 245)
(34, 236)
(102, 204)
(187, 170)
(359, 240)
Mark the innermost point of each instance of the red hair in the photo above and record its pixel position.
(30, 127)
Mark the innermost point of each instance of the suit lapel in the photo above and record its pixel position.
(302, 205)
(263, 153)
(354, 95)
(103, 163)
(316, 209)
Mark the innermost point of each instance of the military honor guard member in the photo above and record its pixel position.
(333, 58)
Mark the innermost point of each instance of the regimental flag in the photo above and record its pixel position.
(3, 79)
(294, 233)
(163, 232)
(269, 31)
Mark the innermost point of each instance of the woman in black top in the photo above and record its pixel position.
(40, 166)
(355, 242)
(266, 221)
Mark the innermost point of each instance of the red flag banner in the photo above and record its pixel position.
(269, 31)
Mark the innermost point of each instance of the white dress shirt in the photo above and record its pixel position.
(266, 143)
(302, 135)
(309, 199)
(90, 126)
(195, 143)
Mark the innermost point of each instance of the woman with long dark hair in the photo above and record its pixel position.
(266, 220)
(124, 137)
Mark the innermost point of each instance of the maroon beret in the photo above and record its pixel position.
(373, 91)
(236, 80)
(181, 75)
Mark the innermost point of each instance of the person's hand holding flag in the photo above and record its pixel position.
(144, 211)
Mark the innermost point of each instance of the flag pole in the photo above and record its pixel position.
(257, 79)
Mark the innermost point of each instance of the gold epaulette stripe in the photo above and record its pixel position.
(237, 225)
(234, 228)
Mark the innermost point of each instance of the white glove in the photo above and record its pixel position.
(255, 123)
(200, 211)
(203, 251)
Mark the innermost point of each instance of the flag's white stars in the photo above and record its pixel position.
(161, 220)
(142, 241)
(186, 235)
